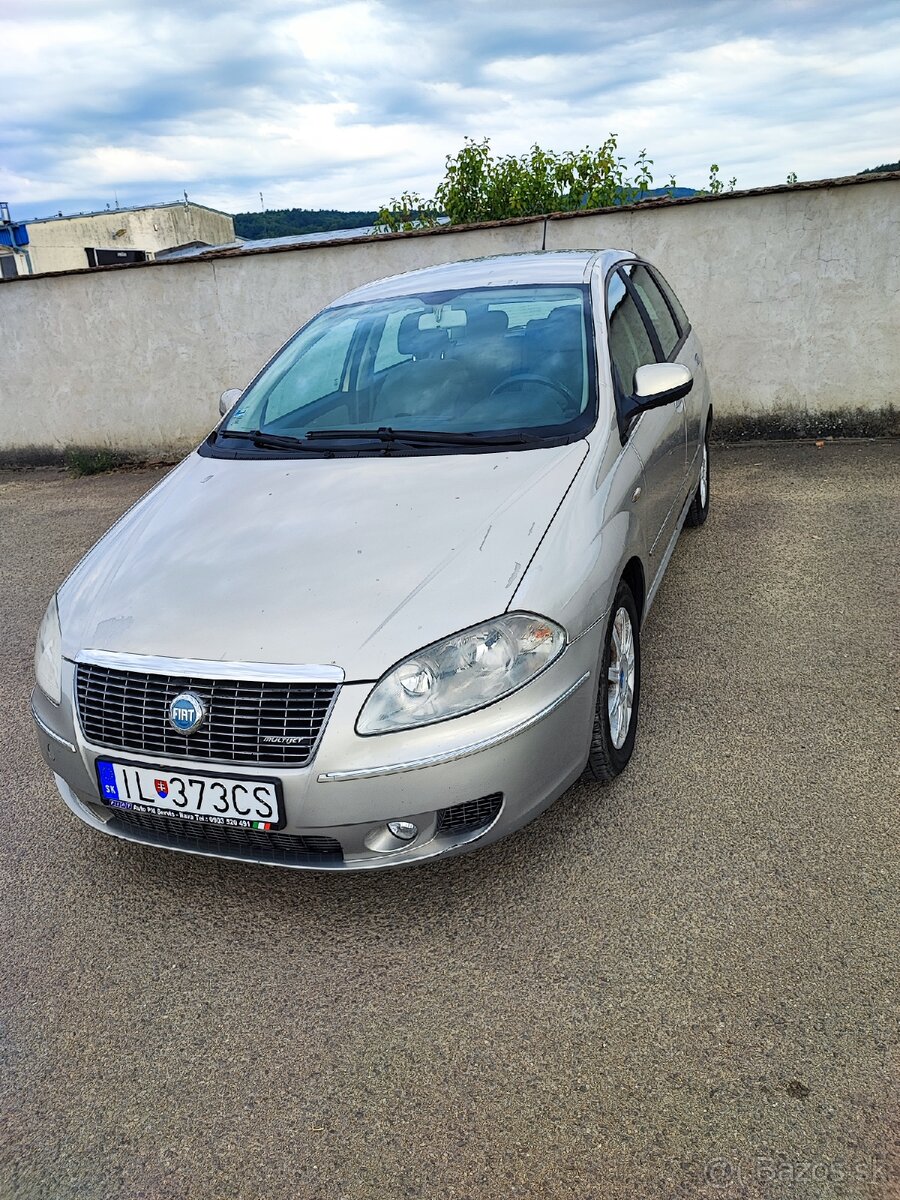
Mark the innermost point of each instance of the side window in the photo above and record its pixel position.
(679, 312)
(387, 354)
(657, 309)
(629, 343)
(323, 371)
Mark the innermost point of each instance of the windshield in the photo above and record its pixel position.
(479, 362)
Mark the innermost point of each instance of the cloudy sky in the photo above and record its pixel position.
(345, 104)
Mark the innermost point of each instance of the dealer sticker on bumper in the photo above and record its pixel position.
(192, 795)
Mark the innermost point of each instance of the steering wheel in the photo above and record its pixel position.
(531, 377)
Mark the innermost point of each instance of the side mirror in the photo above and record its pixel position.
(657, 384)
(228, 400)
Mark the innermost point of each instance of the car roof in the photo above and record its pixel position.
(497, 270)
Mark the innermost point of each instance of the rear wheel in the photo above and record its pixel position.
(699, 510)
(616, 712)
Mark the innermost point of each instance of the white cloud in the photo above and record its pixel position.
(344, 105)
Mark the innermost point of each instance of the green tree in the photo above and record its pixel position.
(479, 186)
(715, 187)
(407, 211)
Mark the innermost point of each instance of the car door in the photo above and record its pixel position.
(689, 352)
(665, 331)
(658, 435)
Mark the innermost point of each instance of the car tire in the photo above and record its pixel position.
(699, 510)
(620, 672)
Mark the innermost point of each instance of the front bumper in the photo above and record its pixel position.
(526, 750)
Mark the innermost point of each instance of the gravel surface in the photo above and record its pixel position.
(683, 985)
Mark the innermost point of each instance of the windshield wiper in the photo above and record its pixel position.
(418, 436)
(273, 441)
(384, 437)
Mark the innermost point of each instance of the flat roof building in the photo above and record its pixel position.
(100, 239)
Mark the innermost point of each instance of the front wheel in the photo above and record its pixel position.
(616, 713)
(699, 510)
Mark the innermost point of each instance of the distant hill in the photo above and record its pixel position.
(283, 222)
(675, 192)
(884, 167)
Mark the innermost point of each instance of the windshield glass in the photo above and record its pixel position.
(483, 361)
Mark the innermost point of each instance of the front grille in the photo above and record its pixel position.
(472, 815)
(129, 710)
(287, 848)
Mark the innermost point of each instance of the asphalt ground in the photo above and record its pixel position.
(683, 985)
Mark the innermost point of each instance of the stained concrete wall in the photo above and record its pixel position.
(795, 293)
(58, 243)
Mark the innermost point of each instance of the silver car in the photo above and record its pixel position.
(390, 609)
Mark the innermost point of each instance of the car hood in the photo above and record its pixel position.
(355, 562)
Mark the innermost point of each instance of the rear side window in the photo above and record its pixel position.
(629, 343)
(680, 315)
(389, 353)
(657, 308)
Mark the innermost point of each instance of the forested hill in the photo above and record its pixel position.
(282, 222)
(884, 167)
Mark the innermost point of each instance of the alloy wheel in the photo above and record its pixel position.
(704, 476)
(620, 678)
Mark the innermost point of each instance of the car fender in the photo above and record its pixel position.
(594, 533)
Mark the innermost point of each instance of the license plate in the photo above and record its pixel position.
(192, 795)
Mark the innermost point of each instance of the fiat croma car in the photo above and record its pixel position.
(390, 609)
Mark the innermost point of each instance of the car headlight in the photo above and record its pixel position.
(48, 654)
(462, 673)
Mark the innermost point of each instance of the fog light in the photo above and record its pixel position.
(404, 830)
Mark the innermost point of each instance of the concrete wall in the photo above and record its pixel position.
(795, 294)
(58, 244)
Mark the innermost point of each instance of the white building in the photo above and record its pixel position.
(99, 239)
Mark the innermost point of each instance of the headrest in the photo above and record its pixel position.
(421, 343)
(563, 329)
(487, 323)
